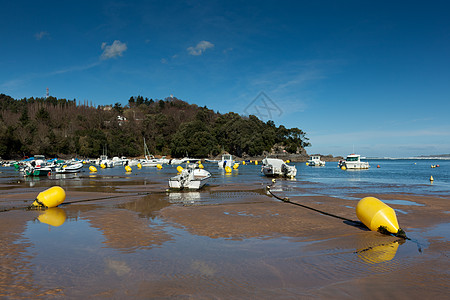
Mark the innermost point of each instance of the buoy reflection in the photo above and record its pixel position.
(380, 253)
(53, 216)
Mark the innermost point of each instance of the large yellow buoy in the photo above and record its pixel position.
(53, 216)
(159, 166)
(228, 169)
(377, 216)
(128, 169)
(235, 166)
(51, 197)
(179, 169)
(92, 169)
(139, 166)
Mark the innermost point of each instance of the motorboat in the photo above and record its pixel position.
(37, 171)
(353, 162)
(274, 167)
(227, 161)
(191, 178)
(104, 162)
(72, 168)
(314, 161)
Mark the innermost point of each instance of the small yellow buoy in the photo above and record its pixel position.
(139, 166)
(307, 163)
(159, 166)
(243, 162)
(287, 161)
(179, 169)
(201, 166)
(53, 216)
(102, 166)
(128, 168)
(431, 178)
(92, 169)
(256, 162)
(51, 197)
(344, 168)
(375, 214)
(188, 162)
(228, 169)
(235, 166)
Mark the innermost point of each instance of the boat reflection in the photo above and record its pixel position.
(186, 198)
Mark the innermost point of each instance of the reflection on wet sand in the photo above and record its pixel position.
(53, 216)
(130, 228)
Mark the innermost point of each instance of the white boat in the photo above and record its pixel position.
(72, 168)
(191, 178)
(108, 163)
(314, 161)
(353, 162)
(274, 167)
(227, 161)
(180, 161)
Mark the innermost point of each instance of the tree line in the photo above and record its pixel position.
(60, 127)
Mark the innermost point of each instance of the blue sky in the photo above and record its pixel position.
(366, 76)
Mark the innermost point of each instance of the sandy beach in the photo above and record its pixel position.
(226, 242)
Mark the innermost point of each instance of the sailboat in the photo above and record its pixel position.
(149, 160)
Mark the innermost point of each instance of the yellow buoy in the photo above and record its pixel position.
(287, 161)
(344, 168)
(375, 214)
(51, 197)
(102, 166)
(431, 178)
(243, 162)
(92, 169)
(228, 169)
(201, 166)
(159, 166)
(139, 166)
(53, 216)
(128, 168)
(235, 166)
(188, 162)
(179, 169)
(256, 162)
(307, 163)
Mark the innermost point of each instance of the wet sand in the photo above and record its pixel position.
(226, 242)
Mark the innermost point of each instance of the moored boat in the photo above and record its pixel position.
(72, 168)
(314, 161)
(274, 167)
(191, 178)
(353, 162)
(226, 161)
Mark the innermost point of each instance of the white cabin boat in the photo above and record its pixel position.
(191, 178)
(227, 161)
(72, 168)
(274, 167)
(353, 162)
(314, 161)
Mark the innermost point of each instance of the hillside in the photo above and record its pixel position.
(60, 127)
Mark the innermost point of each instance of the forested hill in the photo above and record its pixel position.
(60, 127)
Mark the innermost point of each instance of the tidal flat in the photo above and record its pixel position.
(122, 235)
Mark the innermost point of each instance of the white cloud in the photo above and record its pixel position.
(116, 49)
(41, 35)
(200, 48)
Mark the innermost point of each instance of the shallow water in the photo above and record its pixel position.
(126, 247)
